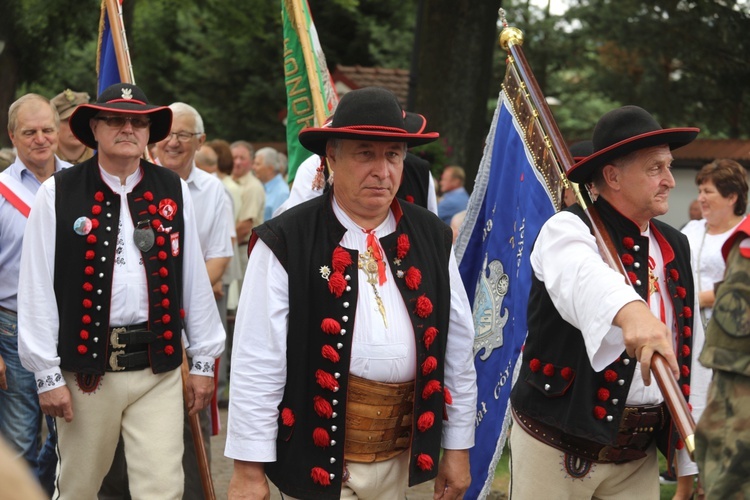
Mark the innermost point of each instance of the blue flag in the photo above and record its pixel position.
(106, 58)
(508, 206)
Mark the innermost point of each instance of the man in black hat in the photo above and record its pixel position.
(111, 250)
(352, 362)
(584, 398)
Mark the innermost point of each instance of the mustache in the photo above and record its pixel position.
(118, 140)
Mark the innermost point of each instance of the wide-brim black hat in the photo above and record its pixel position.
(121, 98)
(622, 131)
(372, 114)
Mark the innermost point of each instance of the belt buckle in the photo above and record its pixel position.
(114, 338)
(625, 423)
(113, 361)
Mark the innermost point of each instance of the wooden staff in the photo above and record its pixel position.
(195, 426)
(511, 40)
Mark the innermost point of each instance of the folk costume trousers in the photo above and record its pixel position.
(147, 409)
(386, 479)
(541, 471)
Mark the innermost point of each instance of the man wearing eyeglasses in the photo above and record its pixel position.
(113, 278)
(215, 220)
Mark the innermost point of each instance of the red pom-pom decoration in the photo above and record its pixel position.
(182, 313)
(94, 223)
(88, 270)
(287, 417)
(429, 336)
(326, 380)
(99, 196)
(96, 210)
(425, 462)
(599, 412)
(429, 365)
(628, 242)
(166, 318)
(88, 286)
(322, 407)
(674, 274)
(549, 369)
(681, 292)
(169, 350)
(163, 272)
(165, 303)
(632, 277)
(321, 437)
(160, 241)
(535, 365)
(320, 476)
(84, 334)
(82, 349)
(91, 239)
(602, 394)
(336, 284)
(162, 255)
(330, 354)
(679, 444)
(330, 326)
(687, 312)
(168, 335)
(686, 389)
(685, 351)
(164, 289)
(409, 198)
(687, 332)
(684, 370)
(425, 421)
(447, 395)
(627, 259)
(152, 209)
(566, 373)
(610, 375)
(86, 319)
(156, 223)
(87, 303)
(423, 307)
(148, 196)
(90, 255)
(341, 259)
(430, 388)
(402, 246)
(413, 278)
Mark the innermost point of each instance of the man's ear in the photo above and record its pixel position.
(611, 176)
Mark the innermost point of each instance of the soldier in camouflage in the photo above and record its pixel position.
(723, 433)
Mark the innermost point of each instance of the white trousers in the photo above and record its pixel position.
(148, 410)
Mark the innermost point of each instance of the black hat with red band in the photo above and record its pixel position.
(369, 114)
(623, 131)
(126, 99)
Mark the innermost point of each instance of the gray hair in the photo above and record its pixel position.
(270, 156)
(243, 144)
(180, 108)
(16, 106)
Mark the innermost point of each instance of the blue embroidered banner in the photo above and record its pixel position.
(508, 206)
(106, 59)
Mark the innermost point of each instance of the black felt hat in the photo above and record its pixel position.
(373, 114)
(623, 131)
(121, 98)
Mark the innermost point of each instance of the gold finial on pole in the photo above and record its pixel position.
(510, 36)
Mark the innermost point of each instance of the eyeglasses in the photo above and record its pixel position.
(119, 121)
(182, 136)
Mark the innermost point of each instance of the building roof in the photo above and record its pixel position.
(357, 77)
(702, 151)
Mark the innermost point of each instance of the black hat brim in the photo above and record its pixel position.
(160, 116)
(315, 139)
(583, 170)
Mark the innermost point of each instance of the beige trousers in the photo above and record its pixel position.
(147, 409)
(375, 481)
(541, 471)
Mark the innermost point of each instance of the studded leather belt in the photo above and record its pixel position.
(378, 419)
(128, 347)
(637, 429)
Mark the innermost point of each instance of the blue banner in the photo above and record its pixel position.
(106, 59)
(508, 206)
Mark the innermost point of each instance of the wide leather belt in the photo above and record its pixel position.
(119, 361)
(120, 336)
(636, 433)
(378, 419)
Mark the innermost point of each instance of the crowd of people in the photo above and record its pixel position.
(151, 275)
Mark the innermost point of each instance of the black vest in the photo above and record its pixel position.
(570, 395)
(84, 264)
(304, 239)
(415, 182)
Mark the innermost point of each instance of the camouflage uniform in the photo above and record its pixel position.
(723, 433)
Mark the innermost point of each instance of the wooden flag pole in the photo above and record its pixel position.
(511, 40)
(119, 41)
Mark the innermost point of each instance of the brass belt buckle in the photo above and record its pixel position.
(114, 339)
(113, 361)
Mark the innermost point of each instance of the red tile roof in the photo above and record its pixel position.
(356, 77)
(702, 151)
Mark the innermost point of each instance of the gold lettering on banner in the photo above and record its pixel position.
(301, 107)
